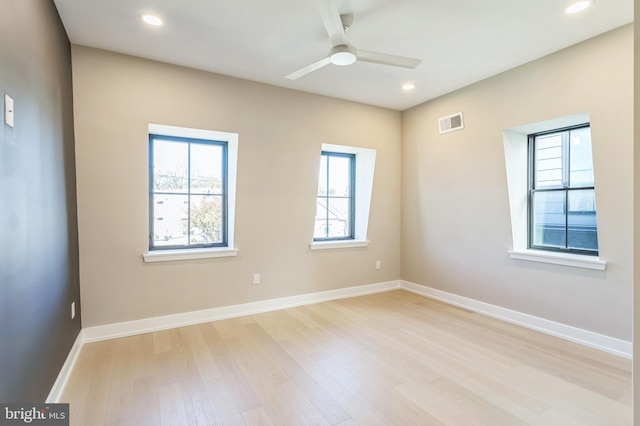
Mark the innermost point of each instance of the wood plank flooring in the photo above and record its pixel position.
(392, 358)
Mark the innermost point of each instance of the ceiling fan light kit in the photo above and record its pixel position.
(343, 53)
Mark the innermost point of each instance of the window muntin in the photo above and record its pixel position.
(562, 210)
(335, 201)
(188, 193)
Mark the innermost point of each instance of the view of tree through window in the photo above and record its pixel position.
(562, 205)
(335, 200)
(188, 192)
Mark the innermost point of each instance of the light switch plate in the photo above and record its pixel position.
(8, 110)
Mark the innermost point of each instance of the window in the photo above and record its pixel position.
(188, 202)
(335, 211)
(561, 201)
(343, 199)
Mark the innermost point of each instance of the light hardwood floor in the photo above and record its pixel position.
(392, 358)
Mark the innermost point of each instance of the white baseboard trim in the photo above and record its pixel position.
(584, 337)
(130, 328)
(58, 387)
(111, 331)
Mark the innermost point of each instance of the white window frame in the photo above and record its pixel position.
(516, 161)
(232, 169)
(365, 159)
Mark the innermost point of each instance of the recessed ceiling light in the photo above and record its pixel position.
(578, 6)
(151, 20)
(408, 86)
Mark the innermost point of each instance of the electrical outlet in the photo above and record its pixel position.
(256, 279)
(378, 264)
(73, 310)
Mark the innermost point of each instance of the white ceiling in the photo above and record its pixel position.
(459, 41)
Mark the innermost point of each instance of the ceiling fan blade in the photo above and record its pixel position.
(331, 20)
(387, 59)
(309, 68)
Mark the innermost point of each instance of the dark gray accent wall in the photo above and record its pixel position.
(38, 222)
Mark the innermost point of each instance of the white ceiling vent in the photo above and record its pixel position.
(450, 123)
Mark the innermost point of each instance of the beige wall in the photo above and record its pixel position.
(455, 212)
(281, 132)
(455, 209)
(636, 216)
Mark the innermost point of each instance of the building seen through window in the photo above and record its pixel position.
(335, 201)
(187, 192)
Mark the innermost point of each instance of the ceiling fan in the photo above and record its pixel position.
(343, 53)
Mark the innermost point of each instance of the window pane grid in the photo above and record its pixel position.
(335, 200)
(562, 213)
(188, 200)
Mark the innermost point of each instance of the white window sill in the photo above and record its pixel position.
(575, 260)
(188, 254)
(342, 244)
